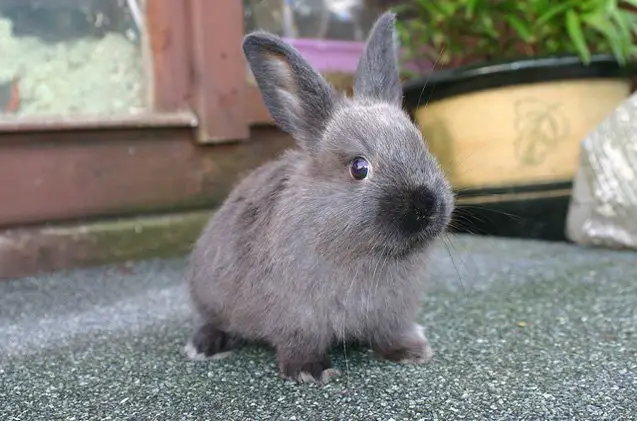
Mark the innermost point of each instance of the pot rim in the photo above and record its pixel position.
(497, 74)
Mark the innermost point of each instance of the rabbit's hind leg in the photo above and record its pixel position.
(407, 346)
(304, 362)
(211, 343)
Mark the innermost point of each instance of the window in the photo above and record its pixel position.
(152, 62)
(344, 20)
(72, 57)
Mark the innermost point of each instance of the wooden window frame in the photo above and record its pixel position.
(197, 78)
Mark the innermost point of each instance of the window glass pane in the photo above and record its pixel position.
(71, 57)
(345, 20)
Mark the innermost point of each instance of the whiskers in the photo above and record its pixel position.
(433, 69)
(454, 255)
(464, 217)
(345, 356)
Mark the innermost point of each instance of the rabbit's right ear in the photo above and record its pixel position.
(299, 99)
(377, 75)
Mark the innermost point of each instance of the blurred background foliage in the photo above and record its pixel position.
(453, 32)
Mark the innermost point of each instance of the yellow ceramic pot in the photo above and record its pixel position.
(515, 124)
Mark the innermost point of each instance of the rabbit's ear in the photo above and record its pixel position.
(299, 99)
(377, 75)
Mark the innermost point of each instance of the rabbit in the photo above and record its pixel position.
(328, 243)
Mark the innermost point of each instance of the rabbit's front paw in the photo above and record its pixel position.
(411, 347)
(211, 343)
(305, 367)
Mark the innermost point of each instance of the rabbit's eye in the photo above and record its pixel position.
(359, 168)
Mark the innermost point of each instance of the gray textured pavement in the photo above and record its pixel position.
(520, 330)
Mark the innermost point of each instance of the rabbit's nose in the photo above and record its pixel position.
(424, 203)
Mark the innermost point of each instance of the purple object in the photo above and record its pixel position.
(342, 56)
(421, 66)
(329, 55)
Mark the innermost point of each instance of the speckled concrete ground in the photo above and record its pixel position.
(521, 330)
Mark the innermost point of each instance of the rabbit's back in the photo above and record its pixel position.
(228, 257)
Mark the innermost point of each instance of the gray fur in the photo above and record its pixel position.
(301, 255)
(298, 97)
(377, 74)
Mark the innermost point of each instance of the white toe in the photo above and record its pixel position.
(305, 377)
(326, 375)
(191, 353)
(420, 330)
(427, 351)
(329, 373)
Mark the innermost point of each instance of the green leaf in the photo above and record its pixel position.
(611, 6)
(574, 28)
(615, 35)
(520, 27)
(631, 20)
(554, 11)
(446, 8)
(633, 27)
(489, 28)
(471, 7)
(587, 6)
(427, 8)
(623, 25)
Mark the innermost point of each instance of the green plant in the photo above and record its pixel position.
(452, 31)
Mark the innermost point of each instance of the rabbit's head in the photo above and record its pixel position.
(365, 180)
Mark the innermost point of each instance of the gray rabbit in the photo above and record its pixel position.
(328, 243)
